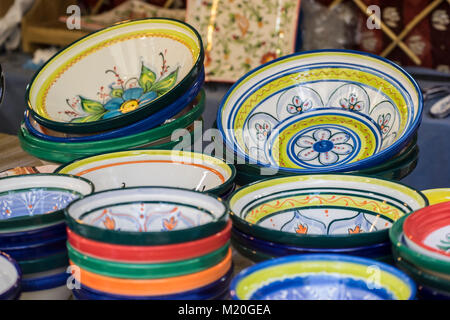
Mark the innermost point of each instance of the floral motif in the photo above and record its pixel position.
(325, 146)
(298, 105)
(352, 103)
(440, 20)
(262, 131)
(123, 96)
(383, 122)
(391, 16)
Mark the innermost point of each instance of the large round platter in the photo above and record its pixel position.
(38, 198)
(147, 216)
(322, 277)
(436, 196)
(116, 76)
(302, 83)
(428, 231)
(10, 277)
(175, 110)
(323, 211)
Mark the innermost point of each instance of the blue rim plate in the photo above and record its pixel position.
(36, 251)
(45, 283)
(322, 277)
(140, 126)
(9, 266)
(32, 237)
(211, 291)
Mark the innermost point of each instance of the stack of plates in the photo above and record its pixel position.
(180, 169)
(32, 229)
(421, 246)
(344, 214)
(322, 277)
(125, 87)
(149, 243)
(322, 112)
(10, 278)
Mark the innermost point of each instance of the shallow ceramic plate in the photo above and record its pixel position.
(428, 231)
(36, 199)
(287, 87)
(174, 110)
(179, 169)
(436, 196)
(147, 216)
(116, 76)
(322, 277)
(323, 211)
(10, 277)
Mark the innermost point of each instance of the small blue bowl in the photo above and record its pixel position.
(10, 271)
(31, 237)
(322, 277)
(143, 125)
(45, 283)
(37, 251)
(213, 291)
(280, 250)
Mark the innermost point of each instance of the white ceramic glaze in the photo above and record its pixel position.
(8, 275)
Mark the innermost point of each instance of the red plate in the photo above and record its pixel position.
(428, 231)
(149, 254)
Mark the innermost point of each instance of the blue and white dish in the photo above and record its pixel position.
(10, 277)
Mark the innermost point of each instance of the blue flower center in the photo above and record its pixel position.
(323, 146)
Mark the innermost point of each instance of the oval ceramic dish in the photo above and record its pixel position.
(145, 124)
(147, 271)
(322, 277)
(207, 292)
(116, 76)
(154, 286)
(400, 249)
(180, 169)
(148, 254)
(147, 216)
(322, 211)
(435, 196)
(58, 260)
(287, 92)
(10, 277)
(38, 198)
(31, 237)
(428, 231)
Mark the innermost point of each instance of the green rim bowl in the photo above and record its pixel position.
(323, 211)
(147, 216)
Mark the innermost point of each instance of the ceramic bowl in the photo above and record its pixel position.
(436, 196)
(179, 169)
(210, 291)
(38, 198)
(116, 76)
(49, 285)
(147, 216)
(154, 287)
(44, 264)
(145, 124)
(322, 211)
(292, 93)
(428, 231)
(418, 259)
(10, 277)
(32, 237)
(322, 277)
(35, 251)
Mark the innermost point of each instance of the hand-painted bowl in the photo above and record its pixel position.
(153, 287)
(147, 216)
(36, 251)
(36, 199)
(322, 211)
(168, 168)
(208, 292)
(279, 94)
(428, 231)
(44, 264)
(32, 237)
(150, 254)
(116, 76)
(322, 277)
(418, 259)
(436, 196)
(10, 277)
(145, 124)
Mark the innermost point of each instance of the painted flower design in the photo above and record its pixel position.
(298, 105)
(328, 148)
(262, 131)
(130, 100)
(352, 103)
(383, 122)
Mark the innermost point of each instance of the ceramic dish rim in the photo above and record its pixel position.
(12, 290)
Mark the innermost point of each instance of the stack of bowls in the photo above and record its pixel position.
(421, 243)
(10, 278)
(167, 168)
(32, 229)
(322, 112)
(149, 243)
(322, 277)
(345, 214)
(125, 87)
